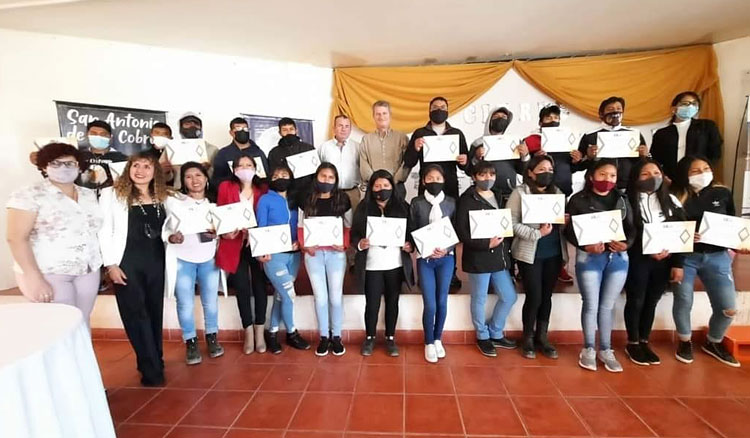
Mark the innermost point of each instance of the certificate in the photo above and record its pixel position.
(386, 231)
(323, 231)
(439, 148)
(500, 147)
(600, 227)
(303, 164)
(726, 231)
(558, 140)
(193, 218)
(675, 237)
(116, 169)
(618, 144)
(180, 151)
(543, 209)
(232, 217)
(486, 224)
(44, 141)
(437, 235)
(259, 169)
(270, 240)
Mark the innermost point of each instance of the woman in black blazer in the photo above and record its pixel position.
(685, 135)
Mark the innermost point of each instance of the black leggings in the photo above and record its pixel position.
(249, 281)
(539, 281)
(378, 283)
(647, 279)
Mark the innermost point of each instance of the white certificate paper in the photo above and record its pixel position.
(600, 227)
(500, 147)
(180, 151)
(437, 235)
(303, 164)
(439, 148)
(386, 231)
(486, 224)
(675, 237)
(232, 217)
(543, 209)
(116, 169)
(726, 231)
(270, 240)
(323, 231)
(559, 139)
(192, 219)
(618, 144)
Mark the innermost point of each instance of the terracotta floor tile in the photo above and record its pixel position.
(246, 433)
(269, 410)
(217, 408)
(288, 377)
(575, 381)
(308, 434)
(367, 435)
(477, 380)
(123, 402)
(379, 355)
(244, 377)
(427, 379)
(609, 417)
(381, 378)
(703, 381)
(527, 381)
(432, 414)
(632, 382)
(549, 416)
(322, 411)
(141, 431)
(377, 413)
(168, 407)
(111, 351)
(202, 376)
(469, 355)
(725, 414)
(120, 374)
(485, 415)
(196, 432)
(667, 417)
(334, 377)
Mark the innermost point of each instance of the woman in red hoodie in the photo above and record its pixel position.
(233, 256)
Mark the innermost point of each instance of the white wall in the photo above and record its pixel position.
(36, 69)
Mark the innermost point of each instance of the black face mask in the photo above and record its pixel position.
(550, 124)
(280, 185)
(242, 137)
(322, 187)
(288, 140)
(383, 194)
(434, 188)
(544, 179)
(438, 116)
(191, 132)
(499, 125)
(649, 185)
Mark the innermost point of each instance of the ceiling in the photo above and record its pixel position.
(334, 33)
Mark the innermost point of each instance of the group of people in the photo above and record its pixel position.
(63, 229)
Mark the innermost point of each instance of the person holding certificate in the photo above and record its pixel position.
(326, 264)
(540, 250)
(648, 274)
(601, 268)
(485, 262)
(245, 273)
(190, 256)
(381, 269)
(434, 270)
(695, 187)
(290, 144)
(276, 208)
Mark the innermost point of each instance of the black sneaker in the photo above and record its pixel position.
(684, 352)
(295, 340)
(390, 347)
(508, 344)
(273, 344)
(636, 354)
(214, 348)
(717, 350)
(649, 354)
(337, 347)
(368, 346)
(486, 347)
(192, 352)
(323, 346)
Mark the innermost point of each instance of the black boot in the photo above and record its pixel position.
(214, 348)
(273, 343)
(528, 348)
(192, 353)
(542, 342)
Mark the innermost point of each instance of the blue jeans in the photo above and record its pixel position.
(281, 271)
(601, 278)
(326, 271)
(715, 271)
(435, 282)
(207, 274)
(506, 297)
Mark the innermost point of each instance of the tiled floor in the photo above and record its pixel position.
(296, 394)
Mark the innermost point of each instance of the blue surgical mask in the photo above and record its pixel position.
(686, 112)
(98, 142)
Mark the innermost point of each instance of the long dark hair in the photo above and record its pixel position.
(681, 183)
(662, 195)
(209, 193)
(339, 198)
(395, 204)
(256, 179)
(596, 165)
(533, 162)
(679, 97)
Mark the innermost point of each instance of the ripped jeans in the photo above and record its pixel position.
(715, 271)
(281, 271)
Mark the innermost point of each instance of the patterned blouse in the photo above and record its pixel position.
(64, 238)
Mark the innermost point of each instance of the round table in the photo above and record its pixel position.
(50, 385)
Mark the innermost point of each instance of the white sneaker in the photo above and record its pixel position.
(609, 360)
(430, 353)
(587, 359)
(440, 349)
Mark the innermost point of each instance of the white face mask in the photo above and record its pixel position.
(701, 181)
(159, 142)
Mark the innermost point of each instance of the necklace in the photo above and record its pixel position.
(148, 231)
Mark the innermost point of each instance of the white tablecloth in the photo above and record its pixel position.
(50, 385)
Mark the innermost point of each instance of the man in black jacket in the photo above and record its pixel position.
(241, 145)
(290, 144)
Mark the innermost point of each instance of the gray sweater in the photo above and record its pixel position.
(526, 236)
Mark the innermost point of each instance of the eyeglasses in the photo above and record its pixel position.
(67, 164)
(687, 103)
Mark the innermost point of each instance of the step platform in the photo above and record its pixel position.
(737, 341)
